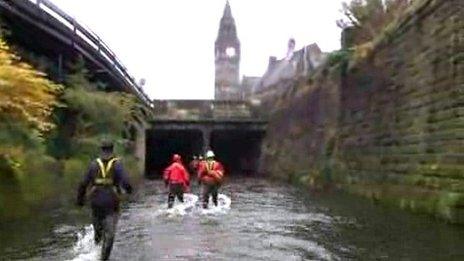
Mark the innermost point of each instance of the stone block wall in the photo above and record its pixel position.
(390, 126)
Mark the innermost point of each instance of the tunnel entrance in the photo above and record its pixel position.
(238, 150)
(161, 144)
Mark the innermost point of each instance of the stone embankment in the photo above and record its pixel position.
(388, 123)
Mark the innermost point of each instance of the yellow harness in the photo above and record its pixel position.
(210, 165)
(105, 176)
(218, 174)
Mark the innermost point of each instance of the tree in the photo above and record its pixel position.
(370, 17)
(27, 99)
(26, 96)
(89, 113)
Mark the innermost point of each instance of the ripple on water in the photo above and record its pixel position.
(265, 221)
(303, 248)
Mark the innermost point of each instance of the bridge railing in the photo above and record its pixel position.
(95, 41)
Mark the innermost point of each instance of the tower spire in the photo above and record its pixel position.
(227, 11)
(227, 25)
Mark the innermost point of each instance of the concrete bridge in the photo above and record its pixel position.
(233, 129)
(43, 28)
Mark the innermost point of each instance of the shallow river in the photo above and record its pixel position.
(266, 221)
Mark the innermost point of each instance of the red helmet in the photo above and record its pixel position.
(176, 158)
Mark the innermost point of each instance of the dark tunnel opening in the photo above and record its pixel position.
(239, 151)
(162, 144)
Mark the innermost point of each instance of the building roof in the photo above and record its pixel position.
(300, 63)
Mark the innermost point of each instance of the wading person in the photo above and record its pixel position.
(177, 179)
(193, 166)
(210, 175)
(104, 177)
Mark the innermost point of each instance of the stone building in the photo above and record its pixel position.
(280, 73)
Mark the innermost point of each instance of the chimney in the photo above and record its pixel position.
(272, 63)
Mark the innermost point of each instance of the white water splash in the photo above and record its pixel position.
(223, 206)
(181, 209)
(85, 248)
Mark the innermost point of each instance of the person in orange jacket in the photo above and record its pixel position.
(177, 178)
(210, 175)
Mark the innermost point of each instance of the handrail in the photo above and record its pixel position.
(101, 46)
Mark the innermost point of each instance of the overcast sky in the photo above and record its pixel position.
(170, 43)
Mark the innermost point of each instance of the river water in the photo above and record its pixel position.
(265, 221)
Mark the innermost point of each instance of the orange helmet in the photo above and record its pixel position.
(176, 158)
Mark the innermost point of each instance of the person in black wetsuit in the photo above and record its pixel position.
(105, 177)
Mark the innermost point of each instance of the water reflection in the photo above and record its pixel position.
(266, 221)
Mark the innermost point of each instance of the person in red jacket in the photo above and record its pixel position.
(177, 178)
(210, 175)
(193, 166)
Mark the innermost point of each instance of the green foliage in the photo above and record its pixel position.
(70, 121)
(38, 172)
(89, 115)
(26, 96)
(370, 17)
(79, 77)
(339, 57)
(27, 99)
(98, 112)
(14, 134)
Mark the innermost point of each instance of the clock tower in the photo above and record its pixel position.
(227, 59)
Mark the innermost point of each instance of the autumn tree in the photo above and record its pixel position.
(27, 100)
(26, 96)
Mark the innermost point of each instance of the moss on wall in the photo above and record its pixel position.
(390, 125)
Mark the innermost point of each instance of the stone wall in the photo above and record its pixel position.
(390, 124)
(204, 109)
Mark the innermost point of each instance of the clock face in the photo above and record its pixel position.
(230, 51)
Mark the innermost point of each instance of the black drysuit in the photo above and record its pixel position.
(104, 200)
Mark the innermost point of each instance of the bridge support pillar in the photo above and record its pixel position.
(140, 144)
(60, 68)
(206, 139)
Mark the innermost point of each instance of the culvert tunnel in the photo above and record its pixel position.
(239, 149)
(162, 144)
